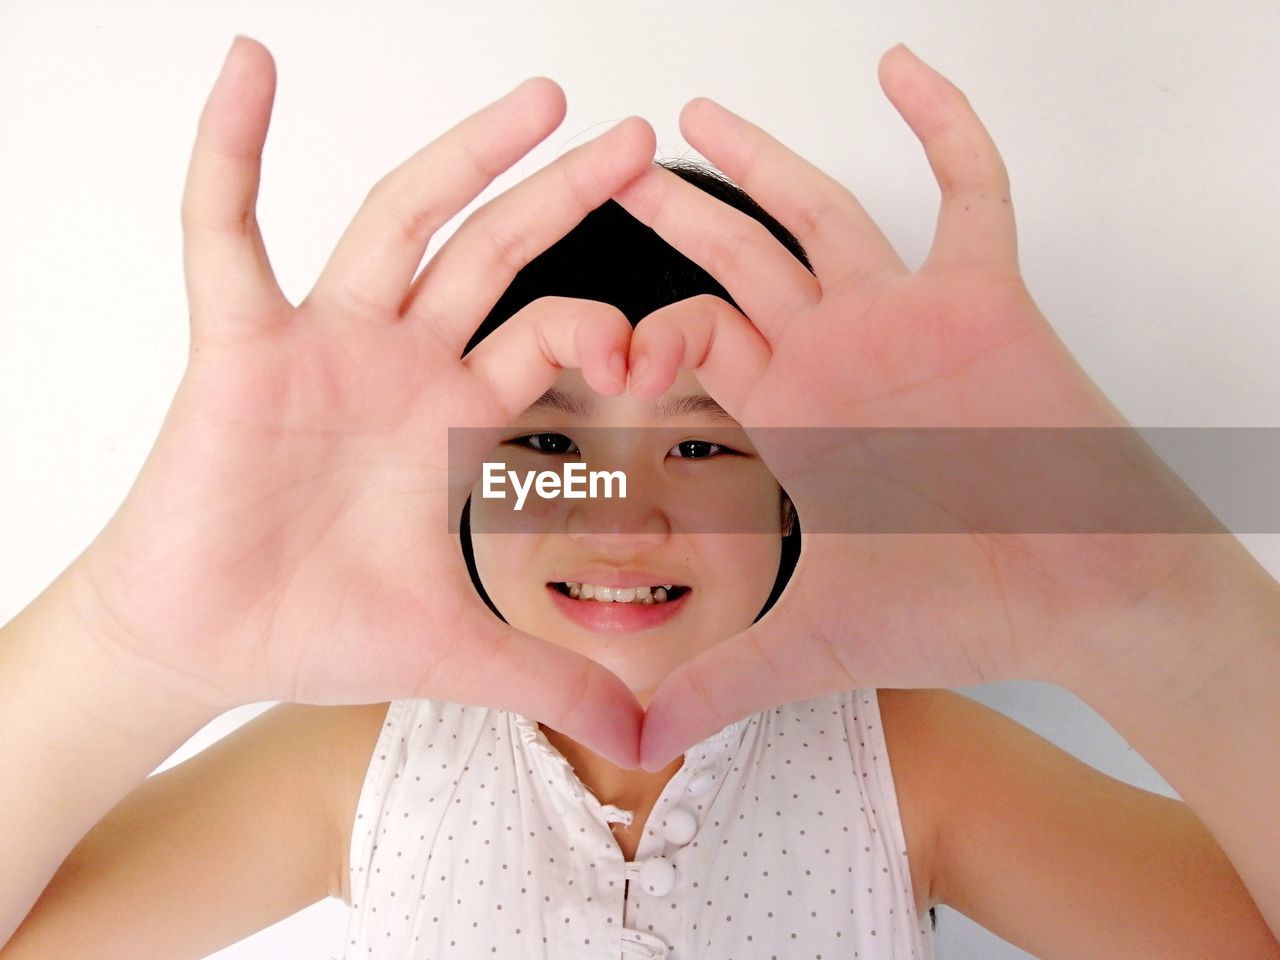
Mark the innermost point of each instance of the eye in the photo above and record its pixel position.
(697, 449)
(553, 443)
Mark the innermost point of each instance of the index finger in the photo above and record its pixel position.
(375, 260)
(468, 274)
(758, 272)
(842, 240)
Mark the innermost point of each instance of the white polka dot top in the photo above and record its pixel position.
(779, 837)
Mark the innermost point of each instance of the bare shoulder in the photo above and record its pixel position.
(264, 812)
(355, 732)
(903, 714)
(1052, 855)
(328, 748)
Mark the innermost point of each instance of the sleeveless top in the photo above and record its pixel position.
(780, 836)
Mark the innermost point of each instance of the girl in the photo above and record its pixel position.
(287, 540)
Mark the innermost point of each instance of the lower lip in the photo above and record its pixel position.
(606, 617)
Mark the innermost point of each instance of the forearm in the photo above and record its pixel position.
(1197, 694)
(77, 734)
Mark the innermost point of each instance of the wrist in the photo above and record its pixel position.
(1199, 627)
(62, 637)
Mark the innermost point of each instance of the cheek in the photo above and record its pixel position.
(485, 557)
(536, 515)
(766, 554)
(743, 568)
(735, 506)
(502, 561)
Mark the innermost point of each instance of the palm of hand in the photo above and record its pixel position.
(861, 342)
(928, 350)
(300, 460)
(289, 536)
(909, 350)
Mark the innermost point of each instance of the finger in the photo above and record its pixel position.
(469, 273)
(228, 275)
(703, 334)
(975, 221)
(378, 254)
(842, 241)
(760, 668)
(486, 662)
(759, 273)
(523, 357)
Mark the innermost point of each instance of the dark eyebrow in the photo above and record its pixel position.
(697, 404)
(555, 399)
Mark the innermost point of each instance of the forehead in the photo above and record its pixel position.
(685, 399)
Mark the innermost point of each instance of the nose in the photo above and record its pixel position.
(619, 525)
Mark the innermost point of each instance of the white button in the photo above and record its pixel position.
(679, 825)
(658, 876)
(701, 784)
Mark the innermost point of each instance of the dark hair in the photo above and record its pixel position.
(614, 258)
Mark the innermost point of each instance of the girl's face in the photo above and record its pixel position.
(693, 479)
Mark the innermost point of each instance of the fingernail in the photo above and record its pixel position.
(618, 367)
(908, 49)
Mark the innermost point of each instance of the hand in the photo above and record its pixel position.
(864, 342)
(288, 537)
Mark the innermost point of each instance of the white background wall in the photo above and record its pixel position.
(1141, 138)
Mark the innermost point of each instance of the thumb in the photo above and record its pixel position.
(723, 348)
(779, 659)
(477, 659)
(227, 270)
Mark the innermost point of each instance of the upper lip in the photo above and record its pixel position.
(610, 577)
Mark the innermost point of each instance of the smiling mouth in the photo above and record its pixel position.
(593, 593)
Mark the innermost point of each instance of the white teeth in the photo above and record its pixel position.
(602, 594)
